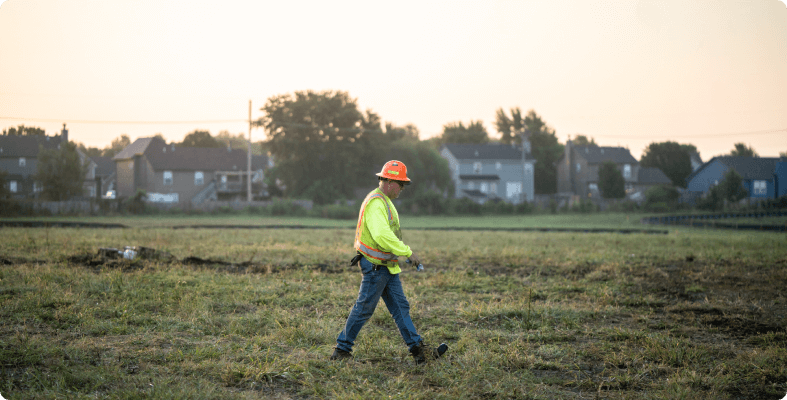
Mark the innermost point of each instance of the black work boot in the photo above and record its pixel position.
(422, 355)
(339, 354)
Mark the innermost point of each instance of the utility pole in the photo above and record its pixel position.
(248, 161)
(524, 169)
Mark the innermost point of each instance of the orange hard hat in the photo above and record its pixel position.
(395, 171)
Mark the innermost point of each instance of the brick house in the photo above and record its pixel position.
(483, 172)
(185, 175)
(577, 169)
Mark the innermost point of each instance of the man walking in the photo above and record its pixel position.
(378, 241)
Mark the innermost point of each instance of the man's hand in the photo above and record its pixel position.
(415, 260)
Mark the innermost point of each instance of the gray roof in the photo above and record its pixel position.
(480, 177)
(169, 157)
(26, 146)
(750, 168)
(105, 166)
(599, 154)
(137, 148)
(653, 176)
(484, 151)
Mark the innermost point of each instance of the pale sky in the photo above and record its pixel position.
(627, 73)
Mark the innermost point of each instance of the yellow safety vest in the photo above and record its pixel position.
(365, 243)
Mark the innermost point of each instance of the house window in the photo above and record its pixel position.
(484, 187)
(12, 186)
(470, 185)
(498, 166)
(22, 161)
(167, 178)
(199, 178)
(92, 191)
(579, 168)
(37, 188)
(593, 187)
(477, 167)
(529, 168)
(493, 188)
(760, 187)
(513, 189)
(627, 171)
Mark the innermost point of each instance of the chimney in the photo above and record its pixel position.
(64, 134)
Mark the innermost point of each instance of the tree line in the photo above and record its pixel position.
(326, 148)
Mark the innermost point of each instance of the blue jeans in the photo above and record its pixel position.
(376, 284)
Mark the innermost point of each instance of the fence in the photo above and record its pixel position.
(717, 220)
(31, 207)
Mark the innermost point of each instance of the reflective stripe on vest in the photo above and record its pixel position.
(365, 249)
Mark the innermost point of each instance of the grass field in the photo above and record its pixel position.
(694, 314)
(595, 220)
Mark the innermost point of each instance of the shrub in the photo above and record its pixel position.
(658, 207)
(465, 206)
(431, 202)
(624, 206)
(287, 207)
(661, 198)
(583, 206)
(553, 206)
(497, 206)
(136, 203)
(338, 211)
(223, 210)
(255, 210)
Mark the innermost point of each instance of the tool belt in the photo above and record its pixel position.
(355, 260)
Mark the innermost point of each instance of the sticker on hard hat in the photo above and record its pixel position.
(393, 172)
(395, 164)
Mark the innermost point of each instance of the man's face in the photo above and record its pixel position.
(393, 188)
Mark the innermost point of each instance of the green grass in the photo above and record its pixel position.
(527, 315)
(583, 221)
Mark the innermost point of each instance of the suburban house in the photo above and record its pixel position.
(19, 158)
(483, 172)
(186, 175)
(577, 170)
(762, 177)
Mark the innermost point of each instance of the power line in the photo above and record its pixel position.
(87, 121)
(357, 130)
(711, 136)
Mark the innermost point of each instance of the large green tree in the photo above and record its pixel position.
(117, 145)
(323, 144)
(671, 158)
(544, 146)
(546, 149)
(394, 132)
(22, 130)
(610, 181)
(741, 150)
(200, 138)
(731, 187)
(457, 132)
(582, 140)
(510, 128)
(61, 172)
